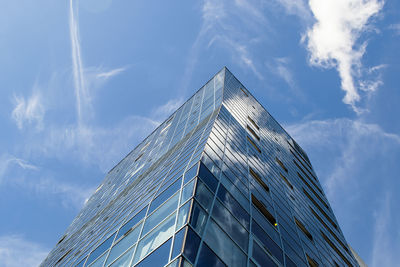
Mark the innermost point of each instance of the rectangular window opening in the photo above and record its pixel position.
(260, 206)
(259, 180)
(138, 157)
(254, 145)
(330, 243)
(253, 122)
(329, 230)
(312, 190)
(244, 92)
(319, 208)
(286, 181)
(303, 229)
(253, 132)
(311, 261)
(281, 164)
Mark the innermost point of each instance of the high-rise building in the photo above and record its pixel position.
(219, 183)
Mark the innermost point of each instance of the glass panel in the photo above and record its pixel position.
(235, 192)
(223, 246)
(183, 215)
(207, 258)
(100, 261)
(157, 258)
(124, 243)
(135, 219)
(165, 195)
(269, 244)
(100, 249)
(199, 218)
(160, 213)
(208, 177)
(155, 238)
(187, 191)
(192, 172)
(261, 257)
(178, 243)
(233, 206)
(230, 225)
(124, 260)
(203, 195)
(192, 243)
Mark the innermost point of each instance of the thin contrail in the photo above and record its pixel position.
(82, 97)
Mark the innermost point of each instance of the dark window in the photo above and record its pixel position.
(178, 241)
(311, 261)
(253, 132)
(319, 208)
(244, 92)
(336, 249)
(329, 230)
(267, 242)
(258, 204)
(138, 157)
(100, 249)
(312, 190)
(253, 144)
(286, 181)
(207, 258)
(253, 122)
(303, 229)
(281, 164)
(258, 179)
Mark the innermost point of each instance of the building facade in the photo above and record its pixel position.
(219, 183)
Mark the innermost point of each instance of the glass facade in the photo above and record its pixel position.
(219, 183)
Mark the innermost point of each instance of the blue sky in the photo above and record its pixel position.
(83, 82)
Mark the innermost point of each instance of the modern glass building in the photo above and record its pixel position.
(219, 183)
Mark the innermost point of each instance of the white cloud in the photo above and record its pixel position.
(6, 161)
(332, 41)
(29, 111)
(297, 7)
(110, 73)
(163, 111)
(15, 251)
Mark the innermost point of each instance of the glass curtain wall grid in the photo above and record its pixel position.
(219, 183)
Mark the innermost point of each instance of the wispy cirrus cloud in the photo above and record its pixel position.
(13, 246)
(333, 41)
(29, 111)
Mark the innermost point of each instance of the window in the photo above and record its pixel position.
(253, 122)
(286, 181)
(259, 180)
(244, 92)
(138, 157)
(281, 164)
(303, 229)
(253, 132)
(312, 190)
(253, 144)
(260, 206)
(319, 208)
(311, 261)
(207, 258)
(261, 257)
(329, 230)
(336, 249)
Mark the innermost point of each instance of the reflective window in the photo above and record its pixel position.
(192, 243)
(207, 258)
(203, 195)
(268, 243)
(135, 219)
(100, 249)
(124, 260)
(199, 218)
(261, 257)
(100, 261)
(161, 213)
(192, 172)
(231, 225)
(187, 191)
(178, 241)
(183, 215)
(165, 195)
(233, 206)
(208, 177)
(129, 239)
(223, 246)
(159, 257)
(156, 237)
